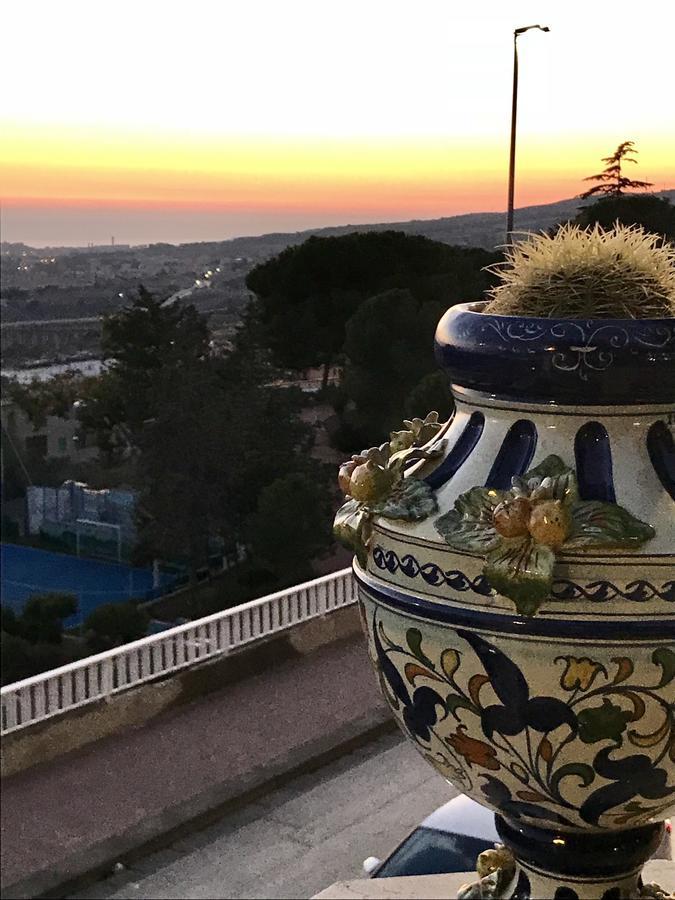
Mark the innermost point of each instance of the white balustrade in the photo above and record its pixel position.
(59, 690)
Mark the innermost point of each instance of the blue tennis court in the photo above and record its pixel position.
(27, 571)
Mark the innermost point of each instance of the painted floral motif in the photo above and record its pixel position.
(373, 484)
(519, 531)
(473, 751)
(528, 754)
(580, 673)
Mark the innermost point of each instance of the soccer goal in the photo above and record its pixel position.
(98, 539)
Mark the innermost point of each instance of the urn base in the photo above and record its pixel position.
(572, 865)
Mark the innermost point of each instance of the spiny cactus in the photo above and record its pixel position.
(585, 274)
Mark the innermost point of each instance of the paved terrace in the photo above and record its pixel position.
(295, 841)
(84, 810)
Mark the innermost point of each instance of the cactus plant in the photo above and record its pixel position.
(588, 273)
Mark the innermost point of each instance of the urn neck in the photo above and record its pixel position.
(609, 447)
(498, 403)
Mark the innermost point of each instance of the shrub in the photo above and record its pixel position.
(8, 621)
(113, 624)
(43, 615)
(20, 659)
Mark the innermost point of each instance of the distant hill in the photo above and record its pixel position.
(485, 230)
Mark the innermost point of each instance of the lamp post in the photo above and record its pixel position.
(514, 109)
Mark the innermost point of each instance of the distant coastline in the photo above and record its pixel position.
(484, 225)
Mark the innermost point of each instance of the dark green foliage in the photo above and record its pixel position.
(149, 334)
(144, 339)
(372, 300)
(20, 659)
(431, 392)
(42, 618)
(113, 624)
(14, 479)
(655, 214)
(308, 293)
(10, 529)
(8, 621)
(213, 447)
(179, 467)
(32, 642)
(389, 348)
(291, 524)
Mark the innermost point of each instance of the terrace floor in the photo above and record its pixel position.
(65, 817)
(314, 832)
(295, 841)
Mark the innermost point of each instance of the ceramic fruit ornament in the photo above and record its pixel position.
(521, 530)
(373, 483)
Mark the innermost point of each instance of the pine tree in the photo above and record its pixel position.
(612, 182)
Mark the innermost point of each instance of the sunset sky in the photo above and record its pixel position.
(206, 120)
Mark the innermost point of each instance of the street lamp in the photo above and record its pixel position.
(514, 108)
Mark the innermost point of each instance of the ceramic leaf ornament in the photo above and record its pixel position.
(520, 531)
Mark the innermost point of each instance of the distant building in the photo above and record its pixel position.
(86, 516)
(58, 437)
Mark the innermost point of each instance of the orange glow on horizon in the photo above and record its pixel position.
(281, 114)
(419, 178)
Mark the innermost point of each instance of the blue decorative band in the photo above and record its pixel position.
(459, 453)
(661, 449)
(622, 361)
(514, 456)
(535, 626)
(593, 456)
(639, 591)
(581, 854)
(430, 572)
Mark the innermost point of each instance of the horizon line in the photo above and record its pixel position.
(178, 206)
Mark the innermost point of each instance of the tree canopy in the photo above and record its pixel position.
(308, 293)
(42, 617)
(292, 523)
(207, 433)
(389, 350)
(143, 340)
(655, 214)
(611, 181)
(31, 642)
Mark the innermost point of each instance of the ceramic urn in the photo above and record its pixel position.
(515, 571)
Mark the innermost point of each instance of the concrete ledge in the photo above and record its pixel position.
(66, 733)
(78, 814)
(443, 887)
(76, 870)
(405, 887)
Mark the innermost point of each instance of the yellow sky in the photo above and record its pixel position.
(332, 112)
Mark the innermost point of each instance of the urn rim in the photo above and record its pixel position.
(582, 361)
